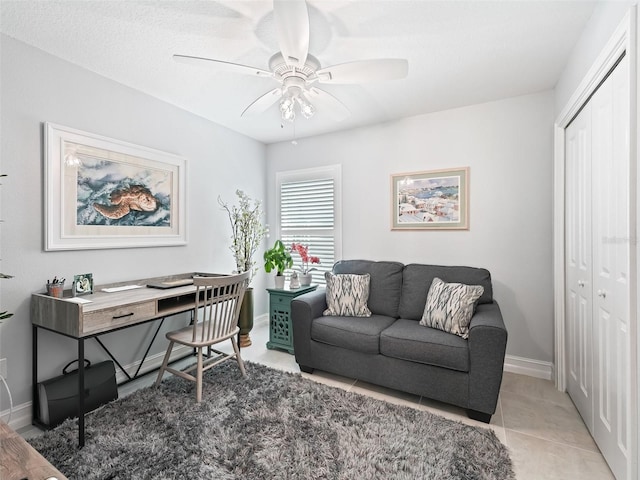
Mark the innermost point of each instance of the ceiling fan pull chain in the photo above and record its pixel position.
(294, 142)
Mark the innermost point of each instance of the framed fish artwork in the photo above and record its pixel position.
(104, 193)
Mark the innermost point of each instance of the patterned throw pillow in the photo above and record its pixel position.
(347, 295)
(450, 306)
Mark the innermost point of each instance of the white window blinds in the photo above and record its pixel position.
(308, 215)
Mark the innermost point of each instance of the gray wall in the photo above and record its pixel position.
(508, 147)
(37, 87)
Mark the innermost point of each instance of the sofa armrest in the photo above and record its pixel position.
(303, 310)
(487, 347)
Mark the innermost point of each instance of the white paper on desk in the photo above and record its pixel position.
(77, 300)
(121, 289)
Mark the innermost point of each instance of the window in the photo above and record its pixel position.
(309, 213)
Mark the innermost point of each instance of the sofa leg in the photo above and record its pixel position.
(305, 369)
(480, 416)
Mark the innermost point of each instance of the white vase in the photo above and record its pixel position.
(305, 279)
(279, 281)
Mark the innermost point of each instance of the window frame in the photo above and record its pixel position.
(310, 174)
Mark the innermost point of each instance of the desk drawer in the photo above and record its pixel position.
(117, 317)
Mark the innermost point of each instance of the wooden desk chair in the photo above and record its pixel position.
(218, 301)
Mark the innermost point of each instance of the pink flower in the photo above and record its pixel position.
(303, 251)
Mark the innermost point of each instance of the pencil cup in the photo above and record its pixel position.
(55, 290)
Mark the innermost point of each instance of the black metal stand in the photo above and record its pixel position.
(81, 372)
(81, 392)
(144, 357)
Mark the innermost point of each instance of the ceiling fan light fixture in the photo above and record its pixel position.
(286, 104)
(289, 115)
(306, 108)
(287, 108)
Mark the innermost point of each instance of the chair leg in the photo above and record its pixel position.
(238, 357)
(165, 362)
(199, 377)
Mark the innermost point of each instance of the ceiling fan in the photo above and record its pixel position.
(298, 72)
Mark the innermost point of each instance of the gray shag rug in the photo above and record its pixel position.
(273, 425)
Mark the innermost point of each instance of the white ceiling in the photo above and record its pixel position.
(459, 52)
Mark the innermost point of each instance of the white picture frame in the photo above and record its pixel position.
(102, 193)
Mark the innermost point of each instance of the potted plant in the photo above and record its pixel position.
(247, 233)
(306, 259)
(279, 259)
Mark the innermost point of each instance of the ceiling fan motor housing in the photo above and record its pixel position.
(294, 79)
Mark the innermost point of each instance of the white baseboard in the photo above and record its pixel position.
(259, 320)
(21, 416)
(152, 362)
(528, 366)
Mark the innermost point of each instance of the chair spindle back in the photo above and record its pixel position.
(218, 302)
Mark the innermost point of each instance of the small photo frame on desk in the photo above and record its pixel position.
(82, 284)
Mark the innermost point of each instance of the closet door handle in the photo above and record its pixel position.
(581, 283)
(602, 293)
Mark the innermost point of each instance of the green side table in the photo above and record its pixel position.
(280, 326)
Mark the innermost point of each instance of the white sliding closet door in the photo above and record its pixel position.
(611, 244)
(579, 265)
(598, 267)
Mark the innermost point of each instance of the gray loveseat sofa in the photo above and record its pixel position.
(390, 348)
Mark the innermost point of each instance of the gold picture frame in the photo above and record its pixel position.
(430, 200)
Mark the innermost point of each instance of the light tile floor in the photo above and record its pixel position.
(539, 425)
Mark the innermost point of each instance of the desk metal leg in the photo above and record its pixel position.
(144, 357)
(81, 392)
(34, 373)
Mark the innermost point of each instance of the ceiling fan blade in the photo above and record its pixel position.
(364, 71)
(262, 103)
(292, 28)
(325, 102)
(233, 67)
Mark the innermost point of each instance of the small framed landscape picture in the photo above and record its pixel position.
(430, 200)
(82, 284)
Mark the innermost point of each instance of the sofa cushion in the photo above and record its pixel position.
(385, 286)
(417, 280)
(450, 306)
(347, 295)
(361, 334)
(408, 340)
